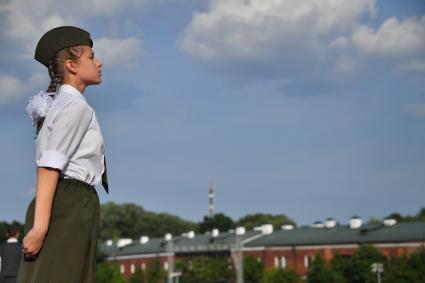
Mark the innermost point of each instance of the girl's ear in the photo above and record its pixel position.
(70, 66)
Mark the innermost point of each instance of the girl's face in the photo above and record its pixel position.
(89, 67)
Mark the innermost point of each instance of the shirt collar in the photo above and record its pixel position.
(12, 240)
(69, 89)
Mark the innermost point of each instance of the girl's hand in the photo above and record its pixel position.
(33, 242)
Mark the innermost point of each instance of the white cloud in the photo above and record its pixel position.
(414, 66)
(392, 37)
(118, 52)
(258, 28)
(12, 87)
(417, 109)
(331, 37)
(346, 65)
(24, 22)
(340, 42)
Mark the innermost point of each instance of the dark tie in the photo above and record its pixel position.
(105, 177)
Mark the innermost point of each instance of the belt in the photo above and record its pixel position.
(75, 182)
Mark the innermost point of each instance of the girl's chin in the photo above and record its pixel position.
(99, 81)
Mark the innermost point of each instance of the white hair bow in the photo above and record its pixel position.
(39, 105)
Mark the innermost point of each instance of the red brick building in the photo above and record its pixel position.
(289, 247)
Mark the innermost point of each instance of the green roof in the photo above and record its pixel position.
(200, 243)
(378, 233)
(303, 236)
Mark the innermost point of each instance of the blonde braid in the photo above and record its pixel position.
(56, 70)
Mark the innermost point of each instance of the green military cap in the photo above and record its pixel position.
(57, 39)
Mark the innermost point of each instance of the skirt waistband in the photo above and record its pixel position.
(75, 182)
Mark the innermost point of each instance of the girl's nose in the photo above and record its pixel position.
(99, 63)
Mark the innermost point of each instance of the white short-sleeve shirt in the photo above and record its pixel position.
(70, 139)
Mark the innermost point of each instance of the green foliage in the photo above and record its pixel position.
(420, 216)
(219, 221)
(341, 267)
(137, 277)
(357, 268)
(155, 274)
(108, 273)
(252, 270)
(374, 220)
(398, 270)
(417, 263)
(132, 221)
(319, 272)
(252, 220)
(281, 276)
(205, 270)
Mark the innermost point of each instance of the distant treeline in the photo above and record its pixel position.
(129, 220)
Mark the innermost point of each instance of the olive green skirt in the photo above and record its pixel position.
(68, 254)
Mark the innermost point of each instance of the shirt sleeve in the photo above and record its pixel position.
(64, 134)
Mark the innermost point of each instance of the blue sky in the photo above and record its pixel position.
(310, 108)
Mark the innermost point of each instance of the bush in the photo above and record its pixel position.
(281, 276)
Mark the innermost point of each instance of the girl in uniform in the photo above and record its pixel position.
(61, 224)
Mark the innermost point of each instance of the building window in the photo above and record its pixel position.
(258, 259)
(122, 268)
(132, 268)
(280, 262)
(143, 266)
(165, 265)
(308, 260)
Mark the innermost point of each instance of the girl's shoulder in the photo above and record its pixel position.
(69, 107)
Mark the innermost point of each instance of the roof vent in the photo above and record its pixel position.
(330, 223)
(215, 233)
(318, 224)
(168, 237)
(389, 222)
(191, 234)
(267, 229)
(287, 227)
(124, 242)
(144, 240)
(355, 222)
(109, 243)
(240, 231)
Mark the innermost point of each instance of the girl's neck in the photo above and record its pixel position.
(77, 85)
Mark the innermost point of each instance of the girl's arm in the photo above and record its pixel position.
(47, 179)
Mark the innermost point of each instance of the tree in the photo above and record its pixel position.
(206, 270)
(155, 274)
(253, 220)
(420, 216)
(132, 221)
(319, 272)
(108, 273)
(252, 270)
(357, 269)
(398, 270)
(219, 221)
(281, 276)
(417, 262)
(137, 277)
